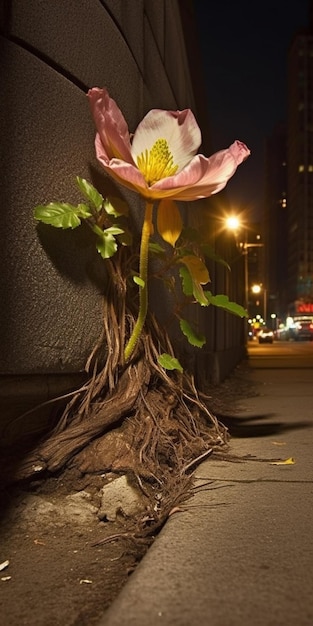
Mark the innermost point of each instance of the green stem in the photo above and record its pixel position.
(143, 274)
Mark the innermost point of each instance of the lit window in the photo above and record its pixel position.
(301, 168)
(310, 168)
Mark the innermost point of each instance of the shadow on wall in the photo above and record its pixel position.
(51, 52)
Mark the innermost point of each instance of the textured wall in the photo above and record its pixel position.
(51, 53)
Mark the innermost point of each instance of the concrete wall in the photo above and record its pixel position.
(51, 52)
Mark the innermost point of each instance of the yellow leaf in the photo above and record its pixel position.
(289, 461)
(169, 221)
(197, 269)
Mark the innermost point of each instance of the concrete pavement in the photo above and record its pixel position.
(241, 552)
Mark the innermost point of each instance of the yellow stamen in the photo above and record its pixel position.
(157, 163)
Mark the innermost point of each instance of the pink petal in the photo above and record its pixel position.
(111, 125)
(126, 174)
(203, 176)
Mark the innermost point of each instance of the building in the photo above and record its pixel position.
(288, 200)
(275, 224)
(299, 273)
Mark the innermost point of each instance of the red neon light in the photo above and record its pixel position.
(305, 308)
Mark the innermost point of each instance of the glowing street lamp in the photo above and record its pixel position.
(233, 222)
(257, 289)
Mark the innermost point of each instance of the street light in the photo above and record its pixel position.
(257, 289)
(274, 321)
(233, 223)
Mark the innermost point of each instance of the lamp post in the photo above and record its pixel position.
(233, 223)
(259, 289)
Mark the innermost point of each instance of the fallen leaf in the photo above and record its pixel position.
(289, 461)
(4, 565)
(86, 581)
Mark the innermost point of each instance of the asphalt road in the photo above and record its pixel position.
(281, 355)
(241, 551)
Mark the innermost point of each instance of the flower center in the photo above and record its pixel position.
(157, 163)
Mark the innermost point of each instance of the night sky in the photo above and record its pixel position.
(244, 48)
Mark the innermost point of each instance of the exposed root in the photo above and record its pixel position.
(133, 418)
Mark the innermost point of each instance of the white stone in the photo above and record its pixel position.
(119, 496)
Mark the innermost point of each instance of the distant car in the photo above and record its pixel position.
(266, 336)
(303, 330)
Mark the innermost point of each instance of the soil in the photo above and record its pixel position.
(62, 563)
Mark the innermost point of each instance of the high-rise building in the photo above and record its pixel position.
(275, 221)
(299, 270)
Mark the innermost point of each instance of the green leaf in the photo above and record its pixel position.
(199, 294)
(169, 362)
(186, 281)
(114, 230)
(155, 248)
(116, 207)
(193, 338)
(196, 267)
(192, 236)
(192, 287)
(139, 281)
(106, 245)
(61, 214)
(223, 302)
(90, 192)
(83, 210)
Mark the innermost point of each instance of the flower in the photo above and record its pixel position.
(160, 160)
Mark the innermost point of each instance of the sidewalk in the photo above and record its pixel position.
(241, 551)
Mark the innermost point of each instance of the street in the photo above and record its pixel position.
(240, 552)
(281, 354)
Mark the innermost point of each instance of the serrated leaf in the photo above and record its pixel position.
(139, 281)
(223, 302)
(106, 245)
(169, 362)
(196, 268)
(116, 207)
(83, 210)
(169, 221)
(199, 294)
(90, 192)
(61, 214)
(194, 339)
(198, 274)
(186, 281)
